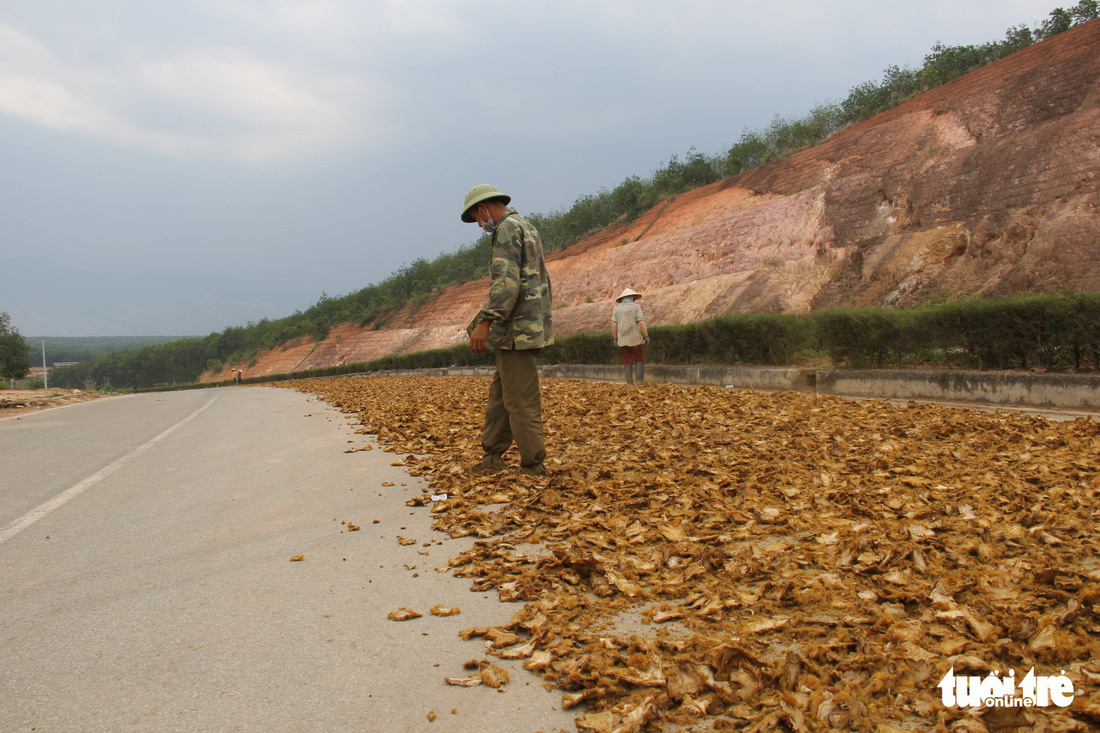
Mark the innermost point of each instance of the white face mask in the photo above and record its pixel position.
(489, 226)
(628, 299)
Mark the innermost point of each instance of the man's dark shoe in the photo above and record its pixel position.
(492, 464)
(536, 470)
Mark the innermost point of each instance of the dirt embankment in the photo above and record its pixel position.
(14, 402)
(986, 186)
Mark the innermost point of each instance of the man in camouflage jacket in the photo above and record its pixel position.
(516, 323)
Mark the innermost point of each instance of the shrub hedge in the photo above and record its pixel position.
(1057, 332)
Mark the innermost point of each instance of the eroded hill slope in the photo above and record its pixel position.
(986, 186)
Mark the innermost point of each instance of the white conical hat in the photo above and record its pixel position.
(628, 291)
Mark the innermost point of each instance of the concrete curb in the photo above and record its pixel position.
(763, 378)
(1074, 391)
(1063, 391)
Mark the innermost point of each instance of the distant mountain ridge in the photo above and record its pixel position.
(986, 186)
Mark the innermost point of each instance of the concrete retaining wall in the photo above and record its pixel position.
(1077, 391)
(1067, 391)
(765, 378)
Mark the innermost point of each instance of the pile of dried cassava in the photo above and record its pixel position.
(727, 559)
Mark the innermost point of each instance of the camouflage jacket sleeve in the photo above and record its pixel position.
(518, 309)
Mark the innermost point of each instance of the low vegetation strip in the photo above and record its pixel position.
(767, 561)
(1054, 332)
(1059, 333)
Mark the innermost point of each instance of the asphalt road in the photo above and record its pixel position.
(146, 581)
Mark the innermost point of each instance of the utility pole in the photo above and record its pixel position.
(45, 376)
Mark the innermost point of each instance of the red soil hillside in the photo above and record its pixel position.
(985, 186)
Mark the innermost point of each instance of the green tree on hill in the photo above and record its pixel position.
(14, 358)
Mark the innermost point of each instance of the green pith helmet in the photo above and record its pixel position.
(477, 194)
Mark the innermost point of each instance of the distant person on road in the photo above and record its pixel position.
(240, 376)
(630, 335)
(516, 323)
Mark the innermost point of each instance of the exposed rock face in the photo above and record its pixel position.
(986, 186)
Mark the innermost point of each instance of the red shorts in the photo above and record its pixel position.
(633, 354)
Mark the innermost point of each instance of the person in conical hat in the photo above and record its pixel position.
(630, 334)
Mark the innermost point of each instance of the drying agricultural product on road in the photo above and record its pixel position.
(768, 560)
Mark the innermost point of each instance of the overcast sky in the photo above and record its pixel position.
(174, 168)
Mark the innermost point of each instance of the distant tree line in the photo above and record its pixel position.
(418, 281)
(63, 349)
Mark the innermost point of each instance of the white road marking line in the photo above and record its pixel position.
(16, 526)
